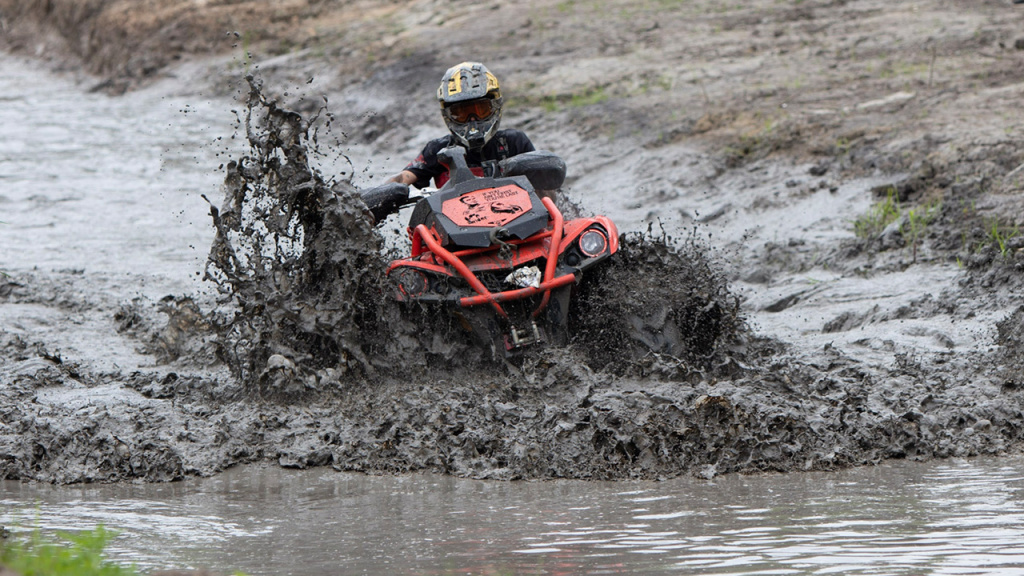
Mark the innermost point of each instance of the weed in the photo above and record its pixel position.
(843, 145)
(663, 82)
(909, 68)
(587, 97)
(594, 96)
(880, 215)
(916, 222)
(885, 212)
(968, 208)
(999, 236)
(752, 142)
(78, 555)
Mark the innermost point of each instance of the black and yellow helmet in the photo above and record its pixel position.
(471, 101)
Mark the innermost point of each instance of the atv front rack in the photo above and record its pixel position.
(484, 296)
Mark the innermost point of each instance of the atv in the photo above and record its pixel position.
(494, 252)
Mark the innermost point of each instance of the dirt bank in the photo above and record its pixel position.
(846, 173)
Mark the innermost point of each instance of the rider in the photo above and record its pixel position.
(471, 106)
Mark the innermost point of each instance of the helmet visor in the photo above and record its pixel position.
(478, 109)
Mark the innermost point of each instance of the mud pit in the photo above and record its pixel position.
(842, 351)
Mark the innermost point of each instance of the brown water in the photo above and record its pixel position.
(944, 517)
(105, 185)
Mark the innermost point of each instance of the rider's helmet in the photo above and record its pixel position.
(470, 103)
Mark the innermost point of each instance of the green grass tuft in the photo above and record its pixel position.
(999, 236)
(917, 221)
(885, 212)
(78, 554)
(880, 215)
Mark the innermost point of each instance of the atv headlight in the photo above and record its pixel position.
(593, 242)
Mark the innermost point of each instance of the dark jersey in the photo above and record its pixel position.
(504, 144)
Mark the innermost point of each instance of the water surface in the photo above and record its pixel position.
(943, 517)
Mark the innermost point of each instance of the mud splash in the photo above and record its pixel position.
(324, 369)
(301, 261)
(661, 306)
(298, 257)
(662, 376)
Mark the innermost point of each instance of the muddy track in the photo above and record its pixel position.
(552, 417)
(763, 335)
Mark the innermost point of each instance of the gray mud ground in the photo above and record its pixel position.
(756, 137)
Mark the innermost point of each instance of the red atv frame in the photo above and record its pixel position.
(494, 253)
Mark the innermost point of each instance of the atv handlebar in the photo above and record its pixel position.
(545, 171)
(385, 199)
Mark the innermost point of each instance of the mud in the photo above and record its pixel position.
(300, 259)
(743, 328)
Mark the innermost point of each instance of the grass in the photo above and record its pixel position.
(880, 215)
(78, 554)
(999, 236)
(751, 142)
(884, 212)
(587, 97)
(843, 145)
(991, 233)
(916, 223)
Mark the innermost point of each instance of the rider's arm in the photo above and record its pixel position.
(419, 172)
(404, 177)
(518, 142)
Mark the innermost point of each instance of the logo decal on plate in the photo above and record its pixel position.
(488, 207)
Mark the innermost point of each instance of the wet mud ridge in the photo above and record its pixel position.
(305, 361)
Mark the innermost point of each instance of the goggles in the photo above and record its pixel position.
(481, 108)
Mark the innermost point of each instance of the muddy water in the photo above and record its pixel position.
(112, 186)
(945, 517)
(101, 199)
(104, 185)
